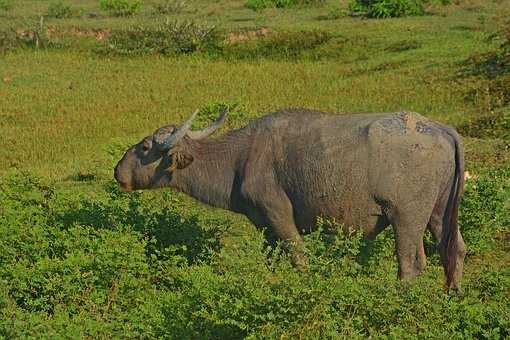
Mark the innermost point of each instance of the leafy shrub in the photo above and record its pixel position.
(59, 10)
(96, 272)
(121, 7)
(170, 6)
(261, 4)
(167, 39)
(387, 8)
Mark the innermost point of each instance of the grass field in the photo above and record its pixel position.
(80, 259)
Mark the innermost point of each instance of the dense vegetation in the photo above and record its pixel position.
(147, 265)
(78, 258)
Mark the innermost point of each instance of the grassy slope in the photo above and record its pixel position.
(75, 102)
(69, 112)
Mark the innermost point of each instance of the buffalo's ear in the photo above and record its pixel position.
(183, 159)
(179, 160)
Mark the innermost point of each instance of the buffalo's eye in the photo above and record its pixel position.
(146, 145)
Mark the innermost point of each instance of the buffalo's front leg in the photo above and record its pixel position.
(275, 211)
(282, 227)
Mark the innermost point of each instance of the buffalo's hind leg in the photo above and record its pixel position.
(421, 257)
(409, 226)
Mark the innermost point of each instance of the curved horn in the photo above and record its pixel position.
(211, 128)
(177, 135)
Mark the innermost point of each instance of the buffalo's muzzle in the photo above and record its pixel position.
(124, 186)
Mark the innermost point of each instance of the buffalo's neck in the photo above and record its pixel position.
(211, 177)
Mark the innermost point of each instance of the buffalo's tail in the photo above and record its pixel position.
(450, 235)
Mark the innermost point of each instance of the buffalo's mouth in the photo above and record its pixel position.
(124, 186)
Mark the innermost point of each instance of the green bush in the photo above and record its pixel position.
(261, 4)
(121, 7)
(387, 8)
(59, 10)
(168, 39)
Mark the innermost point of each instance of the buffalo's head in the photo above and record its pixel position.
(150, 163)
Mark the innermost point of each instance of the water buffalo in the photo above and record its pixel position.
(289, 167)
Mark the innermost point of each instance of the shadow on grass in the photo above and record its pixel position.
(164, 227)
(490, 72)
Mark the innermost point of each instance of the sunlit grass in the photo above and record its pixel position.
(60, 108)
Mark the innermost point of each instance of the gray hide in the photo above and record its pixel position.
(289, 167)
